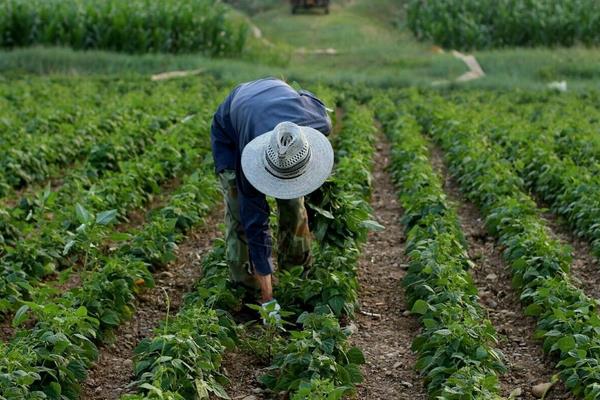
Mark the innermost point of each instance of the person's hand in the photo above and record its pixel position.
(266, 287)
(270, 313)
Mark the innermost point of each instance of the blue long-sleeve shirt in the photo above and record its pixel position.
(250, 110)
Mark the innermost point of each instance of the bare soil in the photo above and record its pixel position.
(527, 364)
(385, 329)
(6, 329)
(243, 368)
(111, 374)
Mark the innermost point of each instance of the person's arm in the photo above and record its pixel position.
(254, 213)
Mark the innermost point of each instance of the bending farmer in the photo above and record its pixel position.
(269, 139)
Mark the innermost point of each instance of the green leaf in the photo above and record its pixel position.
(20, 315)
(68, 247)
(55, 390)
(372, 225)
(119, 236)
(78, 369)
(323, 212)
(110, 318)
(420, 307)
(481, 353)
(533, 310)
(219, 391)
(106, 217)
(354, 373)
(337, 304)
(355, 356)
(328, 346)
(81, 312)
(83, 215)
(202, 389)
(565, 344)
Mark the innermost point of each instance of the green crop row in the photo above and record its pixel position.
(40, 147)
(456, 346)
(314, 362)
(468, 24)
(339, 215)
(33, 105)
(49, 360)
(60, 242)
(568, 123)
(568, 320)
(556, 162)
(182, 361)
(572, 191)
(317, 361)
(135, 26)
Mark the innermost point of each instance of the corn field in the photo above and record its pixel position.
(136, 26)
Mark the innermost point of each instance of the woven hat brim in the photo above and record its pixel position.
(317, 171)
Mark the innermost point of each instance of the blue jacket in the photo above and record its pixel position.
(250, 110)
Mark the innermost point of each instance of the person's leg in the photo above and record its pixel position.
(236, 248)
(293, 241)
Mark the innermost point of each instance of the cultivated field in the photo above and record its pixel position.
(456, 243)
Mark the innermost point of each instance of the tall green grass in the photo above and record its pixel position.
(133, 26)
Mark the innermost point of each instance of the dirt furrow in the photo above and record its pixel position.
(527, 363)
(111, 374)
(384, 329)
(243, 368)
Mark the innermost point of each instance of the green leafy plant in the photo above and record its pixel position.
(82, 315)
(319, 351)
(566, 316)
(455, 348)
(47, 237)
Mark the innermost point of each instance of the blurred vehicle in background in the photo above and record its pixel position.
(307, 4)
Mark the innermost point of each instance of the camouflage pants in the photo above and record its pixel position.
(293, 236)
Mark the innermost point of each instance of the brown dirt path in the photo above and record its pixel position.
(243, 368)
(111, 374)
(386, 340)
(527, 363)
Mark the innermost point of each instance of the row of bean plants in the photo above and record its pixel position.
(568, 320)
(313, 362)
(42, 146)
(36, 105)
(183, 359)
(553, 164)
(568, 122)
(317, 361)
(62, 242)
(456, 346)
(56, 241)
(572, 191)
(49, 360)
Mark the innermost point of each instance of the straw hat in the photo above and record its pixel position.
(288, 162)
